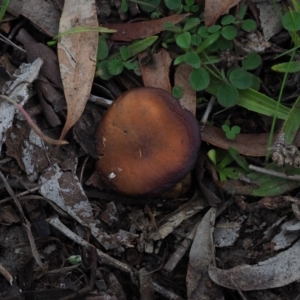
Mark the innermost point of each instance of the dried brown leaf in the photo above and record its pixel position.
(77, 57)
(246, 144)
(156, 72)
(216, 8)
(188, 98)
(44, 14)
(139, 30)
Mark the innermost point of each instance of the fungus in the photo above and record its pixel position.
(146, 142)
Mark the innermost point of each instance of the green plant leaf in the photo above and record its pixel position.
(225, 128)
(229, 32)
(102, 70)
(240, 160)
(183, 40)
(240, 79)
(291, 21)
(271, 185)
(236, 129)
(195, 8)
(242, 12)
(177, 91)
(136, 47)
(252, 61)
(290, 67)
(130, 65)
(192, 59)
(292, 123)
(147, 5)
(211, 59)
(212, 155)
(196, 39)
(172, 4)
(230, 135)
(214, 28)
(102, 48)
(199, 79)
(115, 67)
(187, 8)
(249, 25)
(254, 101)
(81, 29)
(208, 42)
(255, 83)
(231, 173)
(203, 32)
(189, 2)
(225, 161)
(124, 6)
(227, 95)
(260, 103)
(179, 59)
(124, 53)
(228, 19)
(171, 27)
(3, 7)
(191, 23)
(225, 44)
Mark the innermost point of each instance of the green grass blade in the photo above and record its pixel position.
(136, 47)
(260, 103)
(255, 101)
(84, 29)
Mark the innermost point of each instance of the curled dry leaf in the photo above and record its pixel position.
(201, 256)
(275, 272)
(77, 57)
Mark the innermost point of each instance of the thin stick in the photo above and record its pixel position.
(208, 110)
(274, 173)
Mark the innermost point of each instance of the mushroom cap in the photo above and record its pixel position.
(146, 142)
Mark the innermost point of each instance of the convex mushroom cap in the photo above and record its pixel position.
(146, 142)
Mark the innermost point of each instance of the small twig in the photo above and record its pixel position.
(33, 126)
(25, 222)
(21, 194)
(9, 42)
(6, 274)
(274, 173)
(164, 292)
(104, 258)
(100, 101)
(208, 110)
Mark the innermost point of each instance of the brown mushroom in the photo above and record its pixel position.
(146, 142)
